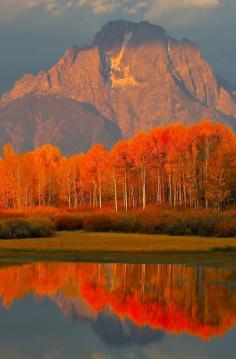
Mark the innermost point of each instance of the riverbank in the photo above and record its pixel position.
(85, 246)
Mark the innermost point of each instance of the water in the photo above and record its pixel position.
(117, 311)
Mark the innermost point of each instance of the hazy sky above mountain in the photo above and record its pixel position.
(34, 33)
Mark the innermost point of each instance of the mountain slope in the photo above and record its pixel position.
(32, 121)
(134, 76)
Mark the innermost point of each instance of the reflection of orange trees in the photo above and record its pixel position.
(40, 279)
(170, 297)
(175, 298)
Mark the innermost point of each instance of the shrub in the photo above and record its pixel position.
(151, 221)
(178, 227)
(68, 222)
(41, 228)
(99, 223)
(14, 228)
(226, 228)
(207, 226)
(193, 224)
(127, 223)
(104, 222)
(24, 228)
(156, 225)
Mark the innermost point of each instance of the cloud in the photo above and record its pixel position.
(126, 6)
(181, 12)
(169, 5)
(8, 353)
(100, 355)
(136, 6)
(55, 354)
(57, 7)
(155, 353)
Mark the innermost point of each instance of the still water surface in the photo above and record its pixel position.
(117, 311)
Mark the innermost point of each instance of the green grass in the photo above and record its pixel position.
(119, 242)
(115, 247)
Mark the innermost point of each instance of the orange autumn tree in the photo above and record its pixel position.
(95, 170)
(47, 162)
(179, 166)
(120, 164)
(140, 152)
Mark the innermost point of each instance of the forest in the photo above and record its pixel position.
(175, 166)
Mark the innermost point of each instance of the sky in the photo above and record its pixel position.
(35, 33)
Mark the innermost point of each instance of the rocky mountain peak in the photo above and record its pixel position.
(112, 34)
(70, 55)
(133, 76)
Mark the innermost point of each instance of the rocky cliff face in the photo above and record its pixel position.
(132, 77)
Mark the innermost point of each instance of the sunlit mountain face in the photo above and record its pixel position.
(132, 77)
(130, 303)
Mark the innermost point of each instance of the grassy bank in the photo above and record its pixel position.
(123, 243)
(126, 248)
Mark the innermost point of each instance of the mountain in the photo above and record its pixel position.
(33, 120)
(132, 77)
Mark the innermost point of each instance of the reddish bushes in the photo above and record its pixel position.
(152, 221)
(68, 222)
(161, 221)
(12, 228)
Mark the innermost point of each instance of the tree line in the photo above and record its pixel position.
(179, 166)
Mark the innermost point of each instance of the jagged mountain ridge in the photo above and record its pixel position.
(133, 76)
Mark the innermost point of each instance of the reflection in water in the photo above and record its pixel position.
(114, 331)
(125, 302)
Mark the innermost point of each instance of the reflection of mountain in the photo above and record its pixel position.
(73, 308)
(114, 331)
(109, 327)
(174, 298)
